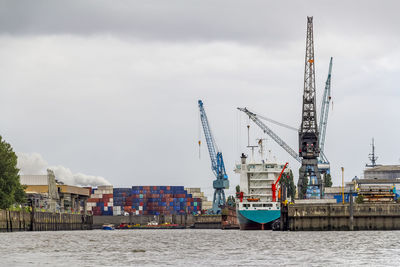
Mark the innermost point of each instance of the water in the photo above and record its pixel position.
(199, 248)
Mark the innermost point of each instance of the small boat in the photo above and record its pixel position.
(151, 225)
(108, 227)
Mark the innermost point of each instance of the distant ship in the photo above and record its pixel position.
(255, 206)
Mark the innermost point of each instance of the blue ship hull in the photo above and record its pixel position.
(255, 219)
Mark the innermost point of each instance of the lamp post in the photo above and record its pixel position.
(342, 185)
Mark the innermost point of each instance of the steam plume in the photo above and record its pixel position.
(34, 163)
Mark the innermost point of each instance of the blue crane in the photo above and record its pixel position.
(217, 164)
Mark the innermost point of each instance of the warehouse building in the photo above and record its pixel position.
(45, 193)
(382, 172)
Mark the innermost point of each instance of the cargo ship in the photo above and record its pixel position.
(257, 204)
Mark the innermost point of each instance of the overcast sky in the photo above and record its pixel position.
(110, 88)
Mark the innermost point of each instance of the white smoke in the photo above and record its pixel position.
(31, 163)
(34, 163)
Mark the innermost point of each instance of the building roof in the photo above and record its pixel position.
(386, 168)
(336, 190)
(379, 181)
(76, 190)
(34, 179)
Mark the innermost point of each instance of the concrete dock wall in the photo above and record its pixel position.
(366, 216)
(13, 221)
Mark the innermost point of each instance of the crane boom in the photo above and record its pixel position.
(254, 117)
(211, 145)
(323, 121)
(274, 185)
(217, 164)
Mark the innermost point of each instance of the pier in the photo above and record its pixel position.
(328, 216)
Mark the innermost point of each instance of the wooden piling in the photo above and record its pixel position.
(42, 221)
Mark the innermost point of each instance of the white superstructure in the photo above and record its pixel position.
(256, 181)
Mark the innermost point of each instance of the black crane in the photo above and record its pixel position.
(310, 183)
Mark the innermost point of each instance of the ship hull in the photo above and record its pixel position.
(257, 219)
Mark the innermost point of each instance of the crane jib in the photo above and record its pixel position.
(217, 164)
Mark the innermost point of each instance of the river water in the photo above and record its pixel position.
(199, 248)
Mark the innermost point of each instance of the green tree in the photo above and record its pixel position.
(291, 186)
(359, 199)
(303, 192)
(238, 189)
(288, 181)
(11, 191)
(328, 180)
(231, 201)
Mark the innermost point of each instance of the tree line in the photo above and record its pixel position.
(11, 190)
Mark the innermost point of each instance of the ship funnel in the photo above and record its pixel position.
(243, 158)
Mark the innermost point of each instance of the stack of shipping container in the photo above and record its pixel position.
(155, 200)
(101, 200)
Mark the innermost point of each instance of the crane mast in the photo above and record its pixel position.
(309, 184)
(323, 121)
(217, 164)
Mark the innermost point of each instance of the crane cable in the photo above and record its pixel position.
(199, 134)
(277, 122)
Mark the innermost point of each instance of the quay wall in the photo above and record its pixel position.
(14, 221)
(328, 216)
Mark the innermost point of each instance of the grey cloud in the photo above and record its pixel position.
(90, 91)
(268, 22)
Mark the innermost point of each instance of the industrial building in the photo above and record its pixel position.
(45, 193)
(337, 193)
(388, 172)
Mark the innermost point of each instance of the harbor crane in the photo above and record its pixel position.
(311, 138)
(323, 121)
(323, 162)
(310, 184)
(217, 164)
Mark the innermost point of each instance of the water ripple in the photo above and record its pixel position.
(199, 248)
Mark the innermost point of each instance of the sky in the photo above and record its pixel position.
(109, 89)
